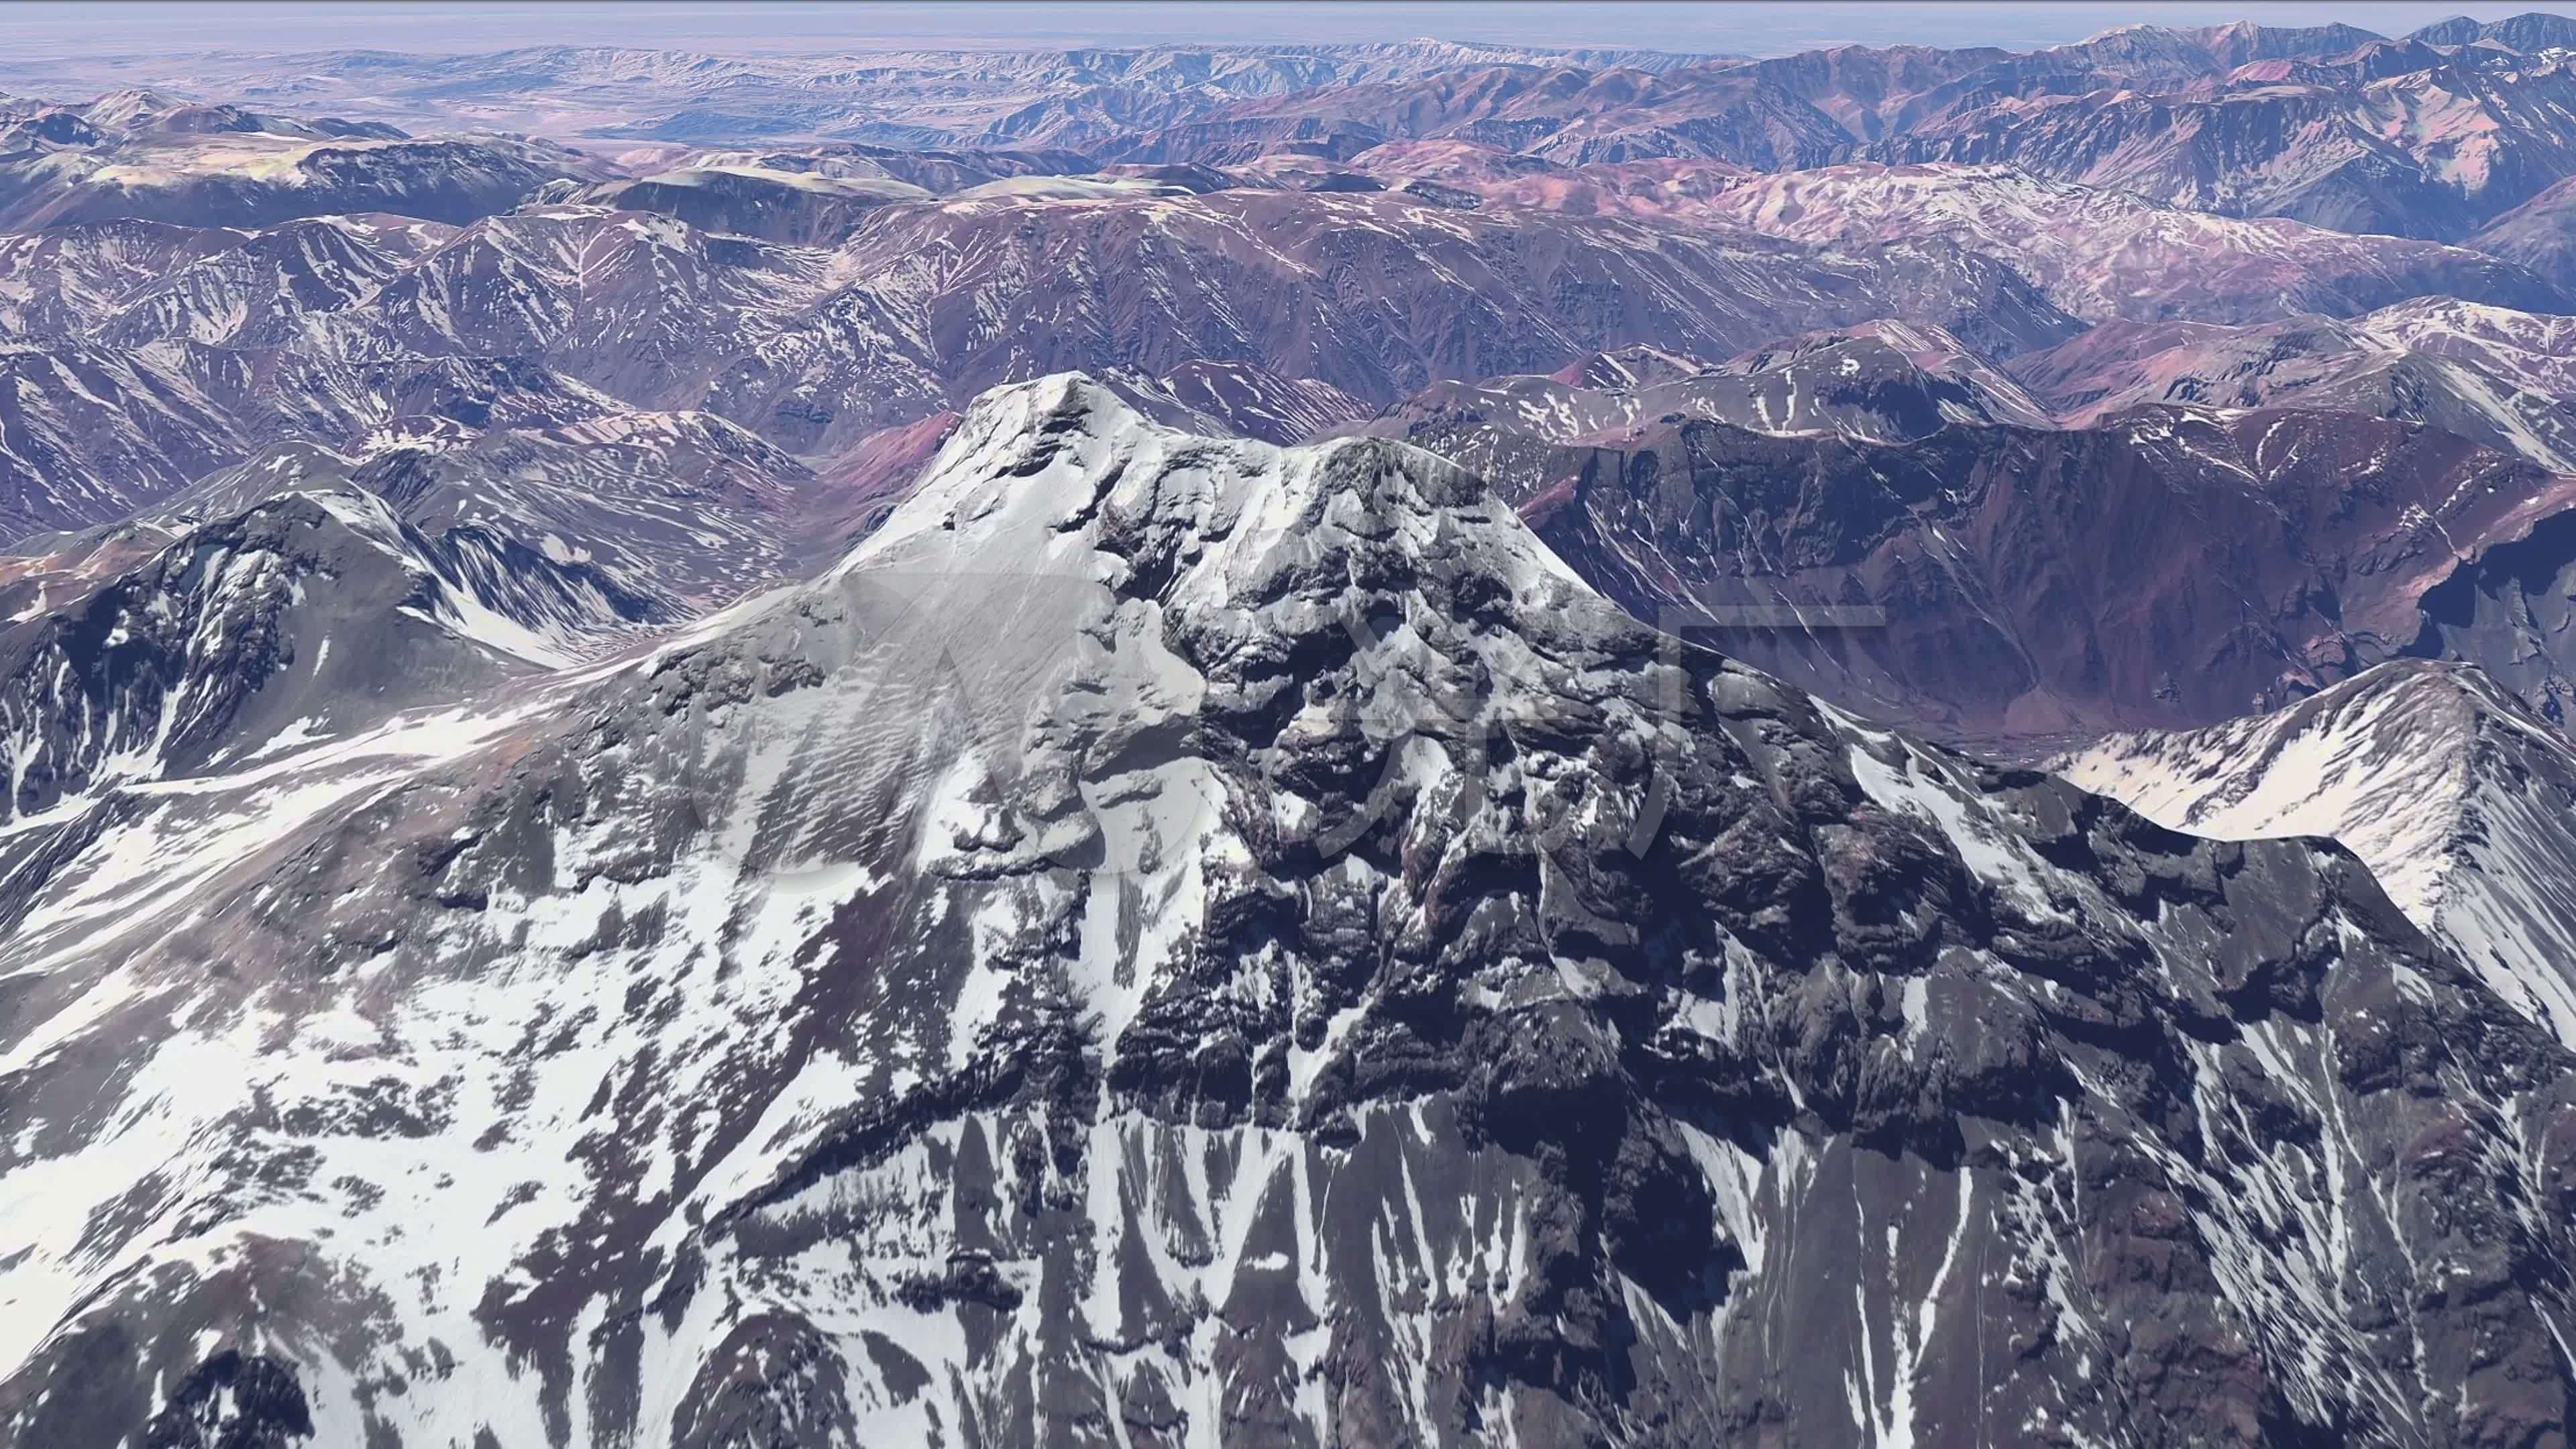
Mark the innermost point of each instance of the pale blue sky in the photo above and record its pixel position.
(35, 29)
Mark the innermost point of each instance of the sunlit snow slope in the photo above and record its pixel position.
(2459, 799)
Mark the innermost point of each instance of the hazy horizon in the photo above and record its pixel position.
(46, 30)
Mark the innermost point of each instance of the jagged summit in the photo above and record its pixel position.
(1068, 457)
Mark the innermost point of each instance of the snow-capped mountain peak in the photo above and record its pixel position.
(1178, 931)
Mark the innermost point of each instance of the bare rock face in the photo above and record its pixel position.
(1370, 295)
(233, 1403)
(1178, 939)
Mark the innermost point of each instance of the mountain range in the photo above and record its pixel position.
(1291, 745)
(2439, 134)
